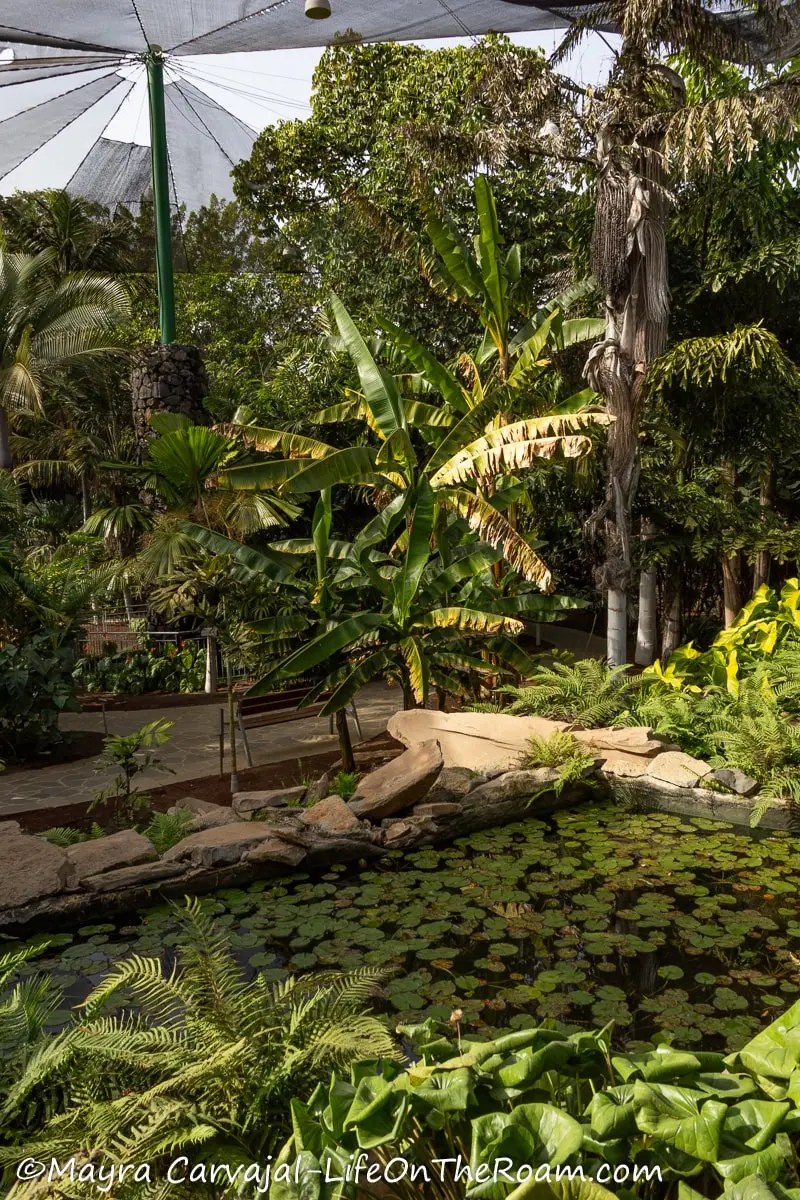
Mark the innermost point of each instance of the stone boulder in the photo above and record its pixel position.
(736, 780)
(195, 806)
(276, 850)
(400, 784)
(32, 869)
(332, 815)
(144, 875)
(319, 789)
(638, 740)
(212, 820)
(453, 783)
(475, 741)
(124, 849)
(246, 803)
(221, 846)
(623, 765)
(512, 785)
(677, 768)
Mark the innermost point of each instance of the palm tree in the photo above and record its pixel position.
(197, 1057)
(82, 234)
(45, 326)
(644, 132)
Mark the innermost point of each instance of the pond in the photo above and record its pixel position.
(675, 928)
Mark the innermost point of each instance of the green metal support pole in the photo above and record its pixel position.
(161, 210)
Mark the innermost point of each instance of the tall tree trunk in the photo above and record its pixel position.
(6, 462)
(86, 498)
(646, 631)
(731, 587)
(763, 558)
(671, 634)
(629, 260)
(345, 744)
(646, 628)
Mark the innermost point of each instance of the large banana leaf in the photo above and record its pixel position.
(492, 527)
(319, 651)
(534, 604)
(276, 566)
(463, 568)
(258, 477)
(492, 267)
(511, 654)
(381, 526)
(361, 674)
(456, 272)
(320, 533)
(420, 523)
(471, 425)
(471, 620)
(437, 375)
(343, 466)
(517, 446)
(428, 416)
(293, 445)
(381, 393)
(418, 667)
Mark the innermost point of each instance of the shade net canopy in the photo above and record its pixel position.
(68, 66)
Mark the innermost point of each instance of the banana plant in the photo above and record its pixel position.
(461, 473)
(461, 438)
(395, 602)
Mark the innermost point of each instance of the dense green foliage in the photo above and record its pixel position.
(510, 1111)
(35, 688)
(206, 1059)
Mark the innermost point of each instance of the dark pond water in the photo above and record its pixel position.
(669, 926)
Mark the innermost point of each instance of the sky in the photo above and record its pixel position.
(260, 88)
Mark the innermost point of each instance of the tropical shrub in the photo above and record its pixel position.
(586, 693)
(152, 668)
(167, 829)
(765, 634)
(130, 755)
(562, 751)
(664, 1124)
(198, 1060)
(35, 687)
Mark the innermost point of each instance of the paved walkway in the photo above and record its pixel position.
(192, 752)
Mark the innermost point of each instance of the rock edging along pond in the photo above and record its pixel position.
(419, 799)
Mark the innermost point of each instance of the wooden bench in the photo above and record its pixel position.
(256, 712)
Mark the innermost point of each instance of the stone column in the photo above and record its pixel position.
(167, 379)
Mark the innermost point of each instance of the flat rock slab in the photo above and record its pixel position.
(219, 847)
(274, 850)
(736, 780)
(131, 877)
(213, 820)
(332, 815)
(451, 784)
(32, 869)
(400, 784)
(198, 807)
(678, 768)
(250, 802)
(124, 849)
(436, 808)
(476, 741)
(625, 766)
(637, 739)
(512, 785)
